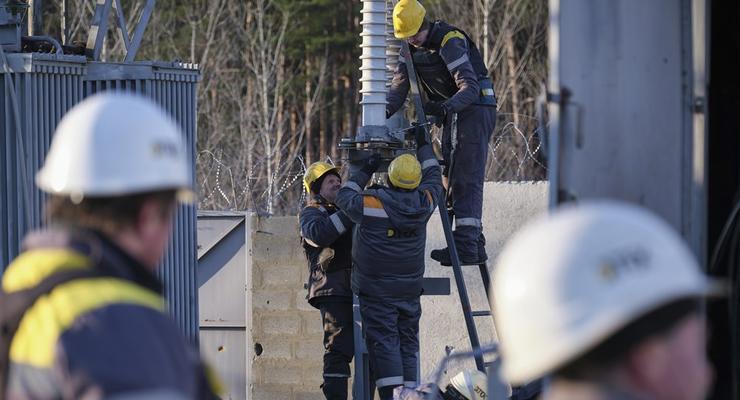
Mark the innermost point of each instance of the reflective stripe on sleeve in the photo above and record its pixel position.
(337, 221)
(457, 62)
(375, 212)
(432, 162)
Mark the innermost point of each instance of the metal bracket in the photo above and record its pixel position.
(99, 28)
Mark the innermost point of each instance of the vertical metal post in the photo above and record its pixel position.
(121, 24)
(35, 19)
(553, 139)
(98, 28)
(146, 13)
(361, 383)
(64, 27)
(695, 192)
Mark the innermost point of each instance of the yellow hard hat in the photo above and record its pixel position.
(408, 16)
(315, 171)
(405, 172)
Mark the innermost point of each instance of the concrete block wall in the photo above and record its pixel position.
(288, 331)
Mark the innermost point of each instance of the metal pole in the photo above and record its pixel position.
(139, 31)
(64, 28)
(486, 14)
(35, 19)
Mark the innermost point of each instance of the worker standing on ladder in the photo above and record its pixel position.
(607, 300)
(460, 93)
(82, 309)
(388, 256)
(327, 242)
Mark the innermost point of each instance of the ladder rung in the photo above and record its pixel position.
(480, 313)
(464, 265)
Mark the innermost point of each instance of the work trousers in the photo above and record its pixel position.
(392, 335)
(465, 150)
(339, 347)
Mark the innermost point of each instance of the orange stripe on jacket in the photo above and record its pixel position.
(371, 202)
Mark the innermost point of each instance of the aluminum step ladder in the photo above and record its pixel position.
(491, 369)
(446, 217)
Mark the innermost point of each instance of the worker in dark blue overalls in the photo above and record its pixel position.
(388, 258)
(327, 241)
(456, 82)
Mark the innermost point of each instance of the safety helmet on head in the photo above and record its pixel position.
(568, 281)
(405, 172)
(115, 144)
(315, 171)
(408, 15)
(469, 385)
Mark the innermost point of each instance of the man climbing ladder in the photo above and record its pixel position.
(460, 93)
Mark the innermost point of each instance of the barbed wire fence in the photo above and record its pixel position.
(515, 154)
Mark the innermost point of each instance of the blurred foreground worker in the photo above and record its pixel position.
(88, 309)
(454, 78)
(388, 258)
(327, 242)
(606, 298)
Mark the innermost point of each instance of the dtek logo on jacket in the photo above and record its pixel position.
(397, 233)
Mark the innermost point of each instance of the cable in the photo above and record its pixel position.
(719, 247)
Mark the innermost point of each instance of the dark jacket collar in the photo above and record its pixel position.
(104, 253)
(318, 199)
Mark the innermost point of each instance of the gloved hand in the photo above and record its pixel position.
(436, 108)
(371, 164)
(420, 134)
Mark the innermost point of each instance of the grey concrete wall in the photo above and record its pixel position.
(289, 331)
(506, 206)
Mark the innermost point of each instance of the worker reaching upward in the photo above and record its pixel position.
(456, 82)
(388, 258)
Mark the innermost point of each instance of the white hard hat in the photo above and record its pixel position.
(114, 144)
(569, 280)
(472, 384)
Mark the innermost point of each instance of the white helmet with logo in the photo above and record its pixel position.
(470, 385)
(114, 144)
(569, 280)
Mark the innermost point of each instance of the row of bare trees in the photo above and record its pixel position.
(280, 78)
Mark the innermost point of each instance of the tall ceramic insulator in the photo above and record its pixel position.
(393, 45)
(373, 78)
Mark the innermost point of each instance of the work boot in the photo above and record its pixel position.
(443, 257)
(482, 248)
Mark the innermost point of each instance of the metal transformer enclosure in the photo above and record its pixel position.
(46, 86)
(627, 86)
